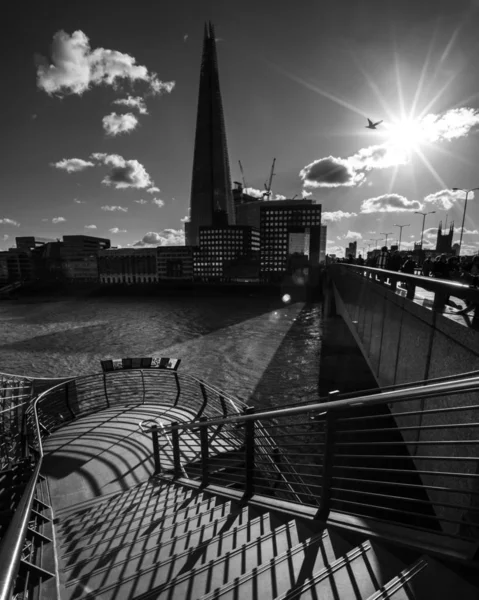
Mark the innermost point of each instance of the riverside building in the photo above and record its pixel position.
(175, 263)
(288, 227)
(128, 266)
(221, 248)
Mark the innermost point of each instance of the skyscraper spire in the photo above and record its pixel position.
(211, 181)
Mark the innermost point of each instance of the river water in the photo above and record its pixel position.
(255, 348)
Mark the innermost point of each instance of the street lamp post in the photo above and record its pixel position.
(400, 234)
(387, 235)
(377, 240)
(424, 215)
(464, 213)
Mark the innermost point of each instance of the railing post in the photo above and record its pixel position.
(249, 453)
(105, 389)
(204, 452)
(156, 449)
(175, 440)
(67, 400)
(325, 500)
(475, 318)
(143, 385)
(439, 301)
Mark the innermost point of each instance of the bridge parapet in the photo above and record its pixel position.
(404, 341)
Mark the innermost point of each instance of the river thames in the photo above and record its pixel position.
(255, 348)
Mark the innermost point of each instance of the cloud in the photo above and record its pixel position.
(114, 124)
(330, 172)
(186, 219)
(75, 67)
(117, 230)
(353, 235)
(78, 201)
(133, 102)
(158, 202)
(58, 220)
(153, 190)
(5, 221)
(141, 201)
(185, 37)
(114, 208)
(124, 173)
(466, 231)
(253, 192)
(90, 227)
(431, 232)
(73, 165)
(335, 216)
(389, 203)
(445, 199)
(279, 197)
(452, 124)
(5, 237)
(305, 194)
(167, 237)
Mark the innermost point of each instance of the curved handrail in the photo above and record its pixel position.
(11, 545)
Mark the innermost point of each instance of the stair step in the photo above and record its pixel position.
(439, 582)
(176, 531)
(146, 503)
(212, 541)
(306, 573)
(217, 560)
(97, 504)
(192, 517)
(397, 588)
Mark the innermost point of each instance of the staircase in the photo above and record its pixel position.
(164, 540)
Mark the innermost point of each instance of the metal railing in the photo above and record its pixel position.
(442, 289)
(376, 456)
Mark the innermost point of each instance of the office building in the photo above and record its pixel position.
(322, 243)
(80, 256)
(221, 248)
(211, 179)
(287, 228)
(128, 265)
(175, 263)
(351, 249)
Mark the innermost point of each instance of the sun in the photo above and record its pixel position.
(406, 135)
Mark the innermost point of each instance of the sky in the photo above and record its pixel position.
(99, 104)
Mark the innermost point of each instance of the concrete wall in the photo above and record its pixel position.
(404, 342)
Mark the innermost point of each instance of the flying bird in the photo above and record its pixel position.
(372, 125)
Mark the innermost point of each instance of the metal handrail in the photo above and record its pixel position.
(432, 284)
(417, 393)
(12, 543)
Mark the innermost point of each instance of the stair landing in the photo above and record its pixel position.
(107, 452)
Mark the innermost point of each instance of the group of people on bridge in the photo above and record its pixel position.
(464, 269)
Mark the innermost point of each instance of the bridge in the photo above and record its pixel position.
(141, 484)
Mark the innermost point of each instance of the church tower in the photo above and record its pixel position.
(211, 193)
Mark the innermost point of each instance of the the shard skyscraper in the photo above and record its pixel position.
(211, 194)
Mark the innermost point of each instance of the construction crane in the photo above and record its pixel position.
(242, 175)
(267, 186)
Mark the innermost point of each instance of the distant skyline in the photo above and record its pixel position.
(98, 129)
